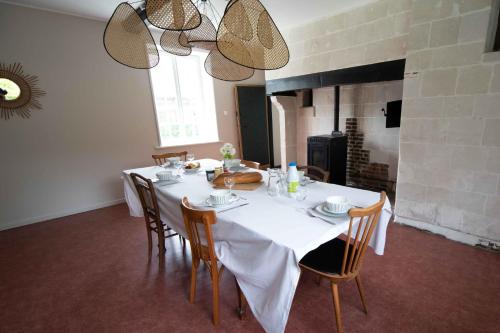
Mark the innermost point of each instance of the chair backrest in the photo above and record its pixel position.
(198, 225)
(251, 164)
(316, 173)
(356, 247)
(147, 195)
(162, 158)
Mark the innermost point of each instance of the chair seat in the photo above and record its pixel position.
(327, 258)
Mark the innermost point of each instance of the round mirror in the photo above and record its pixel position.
(19, 92)
(9, 89)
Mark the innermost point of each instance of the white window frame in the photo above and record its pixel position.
(179, 104)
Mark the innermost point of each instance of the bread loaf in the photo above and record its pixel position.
(239, 178)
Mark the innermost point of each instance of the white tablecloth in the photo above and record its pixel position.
(261, 243)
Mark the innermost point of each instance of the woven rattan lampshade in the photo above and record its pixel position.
(175, 42)
(128, 40)
(173, 14)
(246, 39)
(224, 69)
(205, 32)
(248, 36)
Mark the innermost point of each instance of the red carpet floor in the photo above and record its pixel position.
(90, 273)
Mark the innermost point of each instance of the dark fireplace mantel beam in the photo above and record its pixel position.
(382, 71)
(309, 81)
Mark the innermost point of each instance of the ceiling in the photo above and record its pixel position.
(283, 12)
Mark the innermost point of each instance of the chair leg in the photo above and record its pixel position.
(215, 295)
(242, 301)
(150, 241)
(336, 305)
(361, 292)
(192, 290)
(161, 241)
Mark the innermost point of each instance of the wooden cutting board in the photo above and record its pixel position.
(242, 187)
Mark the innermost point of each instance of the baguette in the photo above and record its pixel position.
(239, 178)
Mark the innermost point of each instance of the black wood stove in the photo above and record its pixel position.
(329, 152)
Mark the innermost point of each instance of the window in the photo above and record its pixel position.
(184, 100)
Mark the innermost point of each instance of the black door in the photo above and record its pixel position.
(253, 123)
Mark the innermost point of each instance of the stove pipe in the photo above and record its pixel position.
(336, 114)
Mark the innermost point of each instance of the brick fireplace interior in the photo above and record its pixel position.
(373, 149)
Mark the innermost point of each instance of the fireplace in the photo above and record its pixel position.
(329, 152)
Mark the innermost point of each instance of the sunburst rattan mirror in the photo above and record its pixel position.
(19, 93)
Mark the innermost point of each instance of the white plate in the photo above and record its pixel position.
(234, 197)
(321, 208)
(192, 171)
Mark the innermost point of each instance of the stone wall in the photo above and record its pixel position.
(449, 167)
(369, 34)
(450, 134)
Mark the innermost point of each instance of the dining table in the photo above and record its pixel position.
(262, 240)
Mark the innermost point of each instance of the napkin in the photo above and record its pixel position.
(238, 203)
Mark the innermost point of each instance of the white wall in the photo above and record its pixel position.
(97, 119)
(276, 134)
(290, 108)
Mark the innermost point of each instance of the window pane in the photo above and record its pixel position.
(184, 100)
(165, 100)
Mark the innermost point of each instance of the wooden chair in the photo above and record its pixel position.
(340, 260)
(315, 173)
(149, 203)
(251, 164)
(199, 228)
(162, 158)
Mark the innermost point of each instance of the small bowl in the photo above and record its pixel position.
(173, 160)
(165, 175)
(337, 204)
(220, 197)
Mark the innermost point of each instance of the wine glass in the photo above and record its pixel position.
(178, 166)
(229, 182)
(190, 157)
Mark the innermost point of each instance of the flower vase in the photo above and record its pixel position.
(227, 164)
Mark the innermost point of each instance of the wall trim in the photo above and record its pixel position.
(454, 235)
(32, 220)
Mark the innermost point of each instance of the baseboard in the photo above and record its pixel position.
(448, 233)
(31, 220)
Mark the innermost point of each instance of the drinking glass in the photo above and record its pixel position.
(283, 181)
(273, 185)
(229, 182)
(190, 157)
(178, 166)
(301, 193)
